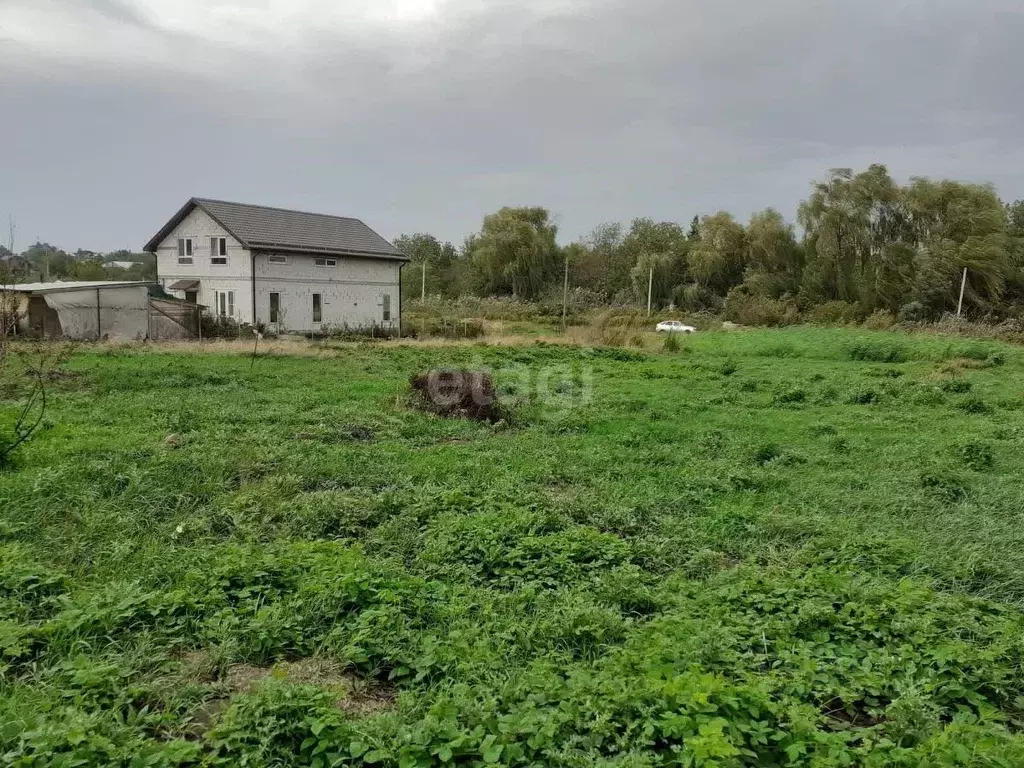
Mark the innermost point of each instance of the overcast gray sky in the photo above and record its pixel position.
(424, 115)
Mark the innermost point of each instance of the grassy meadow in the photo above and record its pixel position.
(780, 547)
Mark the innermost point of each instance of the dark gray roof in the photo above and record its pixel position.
(258, 227)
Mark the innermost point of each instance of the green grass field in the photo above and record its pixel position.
(790, 547)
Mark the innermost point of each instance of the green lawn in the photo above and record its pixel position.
(784, 547)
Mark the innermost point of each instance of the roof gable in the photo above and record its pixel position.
(260, 227)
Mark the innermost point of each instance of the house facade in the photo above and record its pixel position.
(289, 270)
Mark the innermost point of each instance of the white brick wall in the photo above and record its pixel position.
(235, 276)
(352, 292)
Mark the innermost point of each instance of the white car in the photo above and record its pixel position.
(673, 326)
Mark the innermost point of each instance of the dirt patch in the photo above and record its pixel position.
(457, 393)
(357, 696)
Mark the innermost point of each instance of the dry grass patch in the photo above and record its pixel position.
(357, 696)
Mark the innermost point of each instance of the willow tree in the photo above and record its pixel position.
(774, 258)
(959, 226)
(657, 252)
(515, 252)
(718, 256)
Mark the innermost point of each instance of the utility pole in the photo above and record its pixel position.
(650, 287)
(963, 285)
(423, 282)
(565, 294)
(8, 274)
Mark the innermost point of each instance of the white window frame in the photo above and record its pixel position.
(276, 258)
(385, 305)
(218, 250)
(224, 304)
(325, 262)
(186, 250)
(318, 307)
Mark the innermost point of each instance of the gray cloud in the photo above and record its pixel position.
(606, 109)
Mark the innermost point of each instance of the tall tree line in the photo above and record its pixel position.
(865, 243)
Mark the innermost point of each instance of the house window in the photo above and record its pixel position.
(277, 259)
(218, 250)
(317, 308)
(386, 304)
(275, 307)
(184, 250)
(224, 303)
(326, 262)
(192, 297)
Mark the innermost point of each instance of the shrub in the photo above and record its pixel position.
(696, 298)
(790, 396)
(974, 405)
(958, 386)
(864, 397)
(835, 313)
(878, 352)
(747, 309)
(880, 320)
(913, 312)
(671, 343)
(448, 328)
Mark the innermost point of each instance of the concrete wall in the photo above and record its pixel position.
(352, 292)
(235, 276)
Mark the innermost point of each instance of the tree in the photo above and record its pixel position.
(774, 259)
(694, 233)
(957, 226)
(661, 246)
(599, 262)
(48, 260)
(426, 251)
(86, 270)
(515, 252)
(718, 257)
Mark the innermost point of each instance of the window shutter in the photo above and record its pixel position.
(181, 247)
(213, 246)
(231, 303)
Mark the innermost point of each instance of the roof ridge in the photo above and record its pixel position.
(276, 208)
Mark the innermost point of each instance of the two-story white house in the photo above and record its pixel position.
(291, 270)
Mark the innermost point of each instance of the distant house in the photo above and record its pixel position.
(14, 268)
(119, 264)
(287, 269)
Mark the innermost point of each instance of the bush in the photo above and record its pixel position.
(957, 386)
(671, 343)
(913, 312)
(878, 352)
(449, 328)
(790, 397)
(974, 405)
(835, 313)
(747, 309)
(880, 320)
(696, 298)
